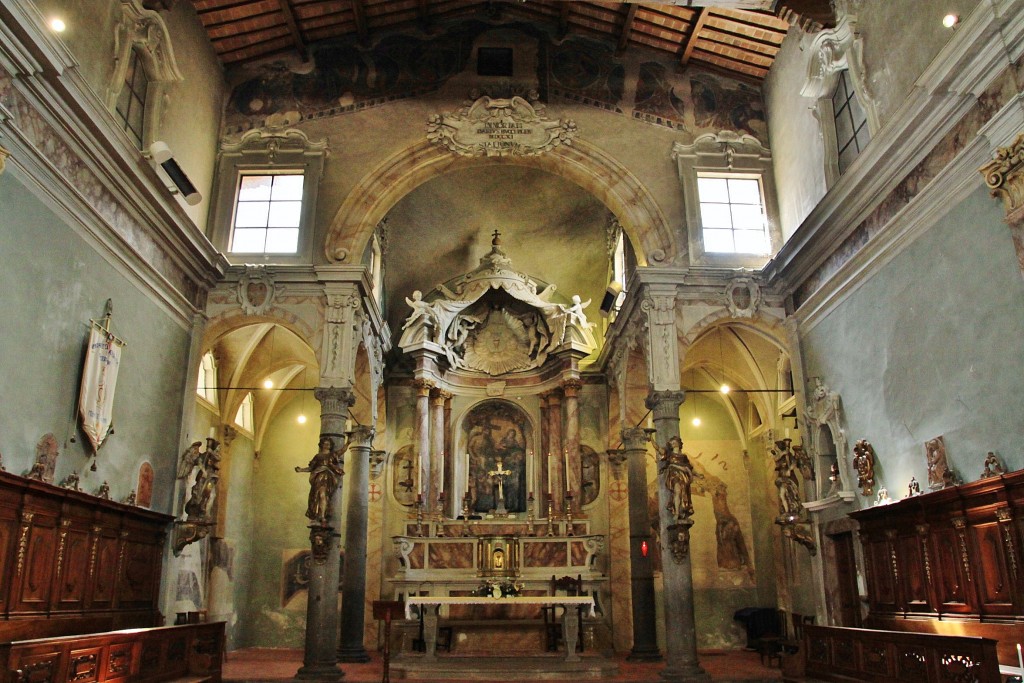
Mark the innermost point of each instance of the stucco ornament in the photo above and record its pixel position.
(256, 290)
(742, 297)
(3, 158)
(499, 127)
(1004, 175)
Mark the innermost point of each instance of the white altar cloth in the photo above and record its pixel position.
(584, 601)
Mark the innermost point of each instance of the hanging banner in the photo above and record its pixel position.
(96, 399)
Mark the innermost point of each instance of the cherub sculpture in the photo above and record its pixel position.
(189, 459)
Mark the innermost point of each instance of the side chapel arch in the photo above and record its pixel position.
(581, 163)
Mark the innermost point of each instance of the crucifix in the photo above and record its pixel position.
(499, 475)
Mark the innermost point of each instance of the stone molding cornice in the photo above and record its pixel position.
(114, 196)
(978, 53)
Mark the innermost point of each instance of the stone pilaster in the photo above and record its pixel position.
(353, 586)
(342, 335)
(423, 388)
(554, 462)
(571, 388)
(680, 629)
(645, 628)
(1005, 177)
(320, 661)
(454, 502)
(437, 454)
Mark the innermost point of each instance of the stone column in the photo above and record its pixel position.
(437, 454)
(680, 631)
(1005, 177)
(353, 586)
(454, 502)
(423, 388)
(320, 661)
(557, 478)
(645, 628)
(541, 462)
(571, 389)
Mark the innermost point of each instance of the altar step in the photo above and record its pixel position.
(551, 667)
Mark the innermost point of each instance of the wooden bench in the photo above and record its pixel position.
(192, 653)
(835, 653)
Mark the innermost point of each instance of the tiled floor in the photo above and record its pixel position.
(273, 665)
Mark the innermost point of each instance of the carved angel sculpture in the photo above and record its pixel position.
(864, 463)
(325, 475)
(189, 459)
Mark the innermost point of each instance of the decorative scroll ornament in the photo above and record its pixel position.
(256, 290)
(864, 463)
(1004, 175)
(3, 158)
(742, 297)
(499, 127)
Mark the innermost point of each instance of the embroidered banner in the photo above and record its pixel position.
(96, 399)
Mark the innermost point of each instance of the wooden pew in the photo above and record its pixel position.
(192, 653)
(854, 654)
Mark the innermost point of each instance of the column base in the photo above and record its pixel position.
(353, 655)
(319, 672)
(686, 674)
(644, 654)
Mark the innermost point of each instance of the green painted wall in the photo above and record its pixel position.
(933, 345)
(51, 288)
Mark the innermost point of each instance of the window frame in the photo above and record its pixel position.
(761, 205)
(260, 152)
(203, 389)
(726, 153)
(136, 66)
(276, 173)
(248, 400)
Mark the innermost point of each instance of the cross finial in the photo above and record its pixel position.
(496, 238)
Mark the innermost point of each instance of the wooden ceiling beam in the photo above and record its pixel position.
(563, 19)
(359, 16)
(293, 26)
(627, 27)
(691, 40)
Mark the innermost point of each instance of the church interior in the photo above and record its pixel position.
(579, 331)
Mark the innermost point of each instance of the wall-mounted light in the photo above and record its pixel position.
(950, 20)
(57, 25)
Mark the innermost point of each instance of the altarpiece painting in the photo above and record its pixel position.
(493, 431)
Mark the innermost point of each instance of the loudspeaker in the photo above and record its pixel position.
(610, 295)
(161, 154)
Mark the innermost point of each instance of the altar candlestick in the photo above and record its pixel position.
(441, 483)
(550, 478)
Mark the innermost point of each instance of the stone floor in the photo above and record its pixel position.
(259, 664)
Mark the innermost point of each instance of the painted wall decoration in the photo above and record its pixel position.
(590, 479)
(724, 104)
(295, 567)
(586, 70)
(730, 545)
(144, 488)
(657, 98)
(403, 475)
(493, 430)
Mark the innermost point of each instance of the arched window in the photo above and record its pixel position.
(206, 387)
(243, 418)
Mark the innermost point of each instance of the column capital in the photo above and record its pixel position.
(439, 396)
(422, 386)
(572, 386)
(334, 400)
(1004, 175)
(3, 158)
(362, 436)
(634, 439)
(665, 404)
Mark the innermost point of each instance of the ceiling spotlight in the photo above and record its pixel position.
(57, 25)
(696, 422)
(724, 388)
(950, 20)
(301, 419)
(268, 384)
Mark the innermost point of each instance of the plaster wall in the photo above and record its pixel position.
(51, 289)
(932, 345)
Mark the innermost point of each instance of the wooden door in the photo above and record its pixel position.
(846, 574)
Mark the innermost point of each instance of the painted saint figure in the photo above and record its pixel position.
(325, 475)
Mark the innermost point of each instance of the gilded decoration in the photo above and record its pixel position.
(499, 127)
(3, 158)
(1004, 175)
(791, 465)
(495, 320)
(864, 464)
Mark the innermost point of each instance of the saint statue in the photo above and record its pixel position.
(678, 476)
(325, 473)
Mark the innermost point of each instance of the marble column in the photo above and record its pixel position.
(453, 501)
(545, 448)
(353, 585)
(641, 570)
(423, 388)
(571, 389)
(1004, 175)
(320, 661)
(437, 454)
(555, 461)
(680, 630)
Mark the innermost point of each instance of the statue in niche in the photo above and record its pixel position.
(993, 468)
(939, 475)
(325, 474)
(590, 475)
(497, 430)
(864, 463)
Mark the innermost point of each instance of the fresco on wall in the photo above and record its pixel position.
(493, 430)
(587, 71)
(144, 487)
(590, 474)
(724, 104)
(403, 477)
(295, 568)
(657, 98)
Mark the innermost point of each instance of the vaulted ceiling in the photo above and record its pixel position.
(741, 37)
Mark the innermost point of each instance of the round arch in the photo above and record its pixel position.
(581, 163)
(235, 319)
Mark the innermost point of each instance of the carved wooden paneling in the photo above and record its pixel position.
(913, 581)
(38, 561)
(881, 580)
(104, 571)
(993, 572)
(950, 582)
(74, 571)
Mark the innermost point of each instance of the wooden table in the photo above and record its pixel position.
(570, 603)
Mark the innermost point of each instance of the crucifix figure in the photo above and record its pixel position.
(499, 475)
